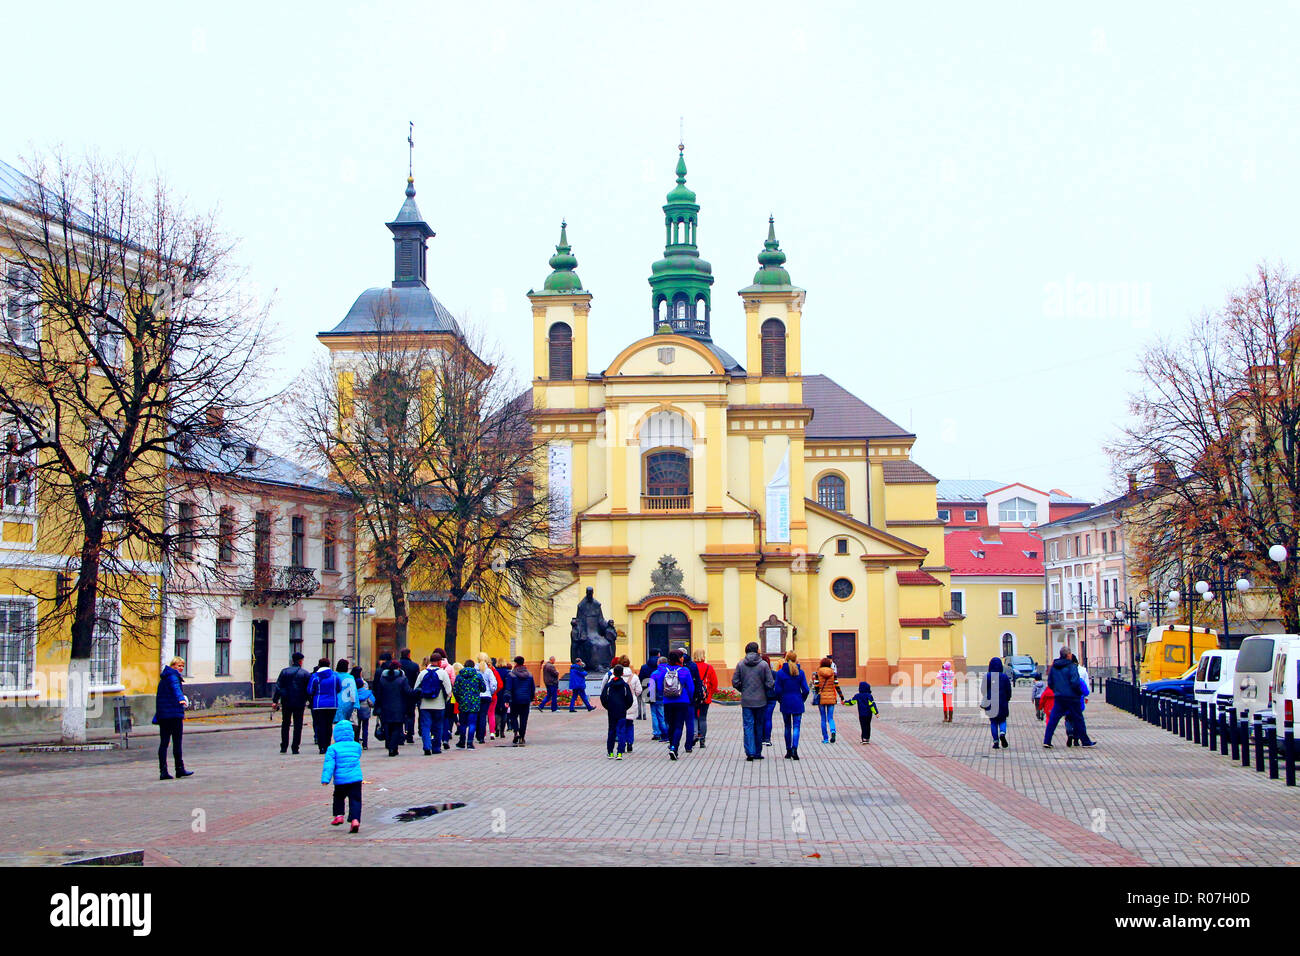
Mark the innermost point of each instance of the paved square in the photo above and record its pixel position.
(922, 792)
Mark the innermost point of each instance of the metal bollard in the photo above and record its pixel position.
(1257, 725)
(1270, 737)
(1223, 706)
(1234, 732)
(1245, 744)
(1196, 723)
(1211, 734)
(1288, 746)
(1189, 721)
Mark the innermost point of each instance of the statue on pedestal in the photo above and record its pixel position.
(591, 636)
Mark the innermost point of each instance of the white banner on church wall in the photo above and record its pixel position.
(778, 502)
(559, 483)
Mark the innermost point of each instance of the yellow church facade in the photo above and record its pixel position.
(710, 503)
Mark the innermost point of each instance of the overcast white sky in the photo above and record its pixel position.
(991, 209)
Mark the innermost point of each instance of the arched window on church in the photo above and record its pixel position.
(830, 492)
(701, 309)
(681, 309)
(666, 440)
(773, 334)
(661, 311)
(561, 352)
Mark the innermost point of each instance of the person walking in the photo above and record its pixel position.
(1039, 686)
(434, 688)
(342, 767)
(487, 697)
(866, 709)
(791, 688)
(827, 687)
(616, 697)
(411, 670)
(347, 692)
(703, 694)
(771, 702)
(644, 700)
(947, 680)
(468, 691)
(996, 701)
(504, 719)
(393, 699)
(1064, 683)
(551, 681)
(673, 687)
(323, 695)
(290, 698)
(520, 689)
(169, 714)
(365, 706)
(658, 723)
(753, 678)
(634, 685)
(578, 685)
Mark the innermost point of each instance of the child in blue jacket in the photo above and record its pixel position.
(866, 709)
(365, 706)
(343, 766)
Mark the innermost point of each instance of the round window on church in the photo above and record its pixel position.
(842, 588)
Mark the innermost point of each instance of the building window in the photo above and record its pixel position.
(1053, 553)
(831, 492)
(298, 541)
(295, 638)
(329, 547)
(972, 515)
(106, 645)
(842, 588)
(925, 633)
(19, 474)
(841, 545)
(222, 656)
(17, 643)
(1087, 544)
(561, 352)
(959, 601)
(185, 531)
(773, 334)
(1114, 545)
(945, 515)
(226, 535)
(108, 332)
(1017, 511)
(262, 539)
(1055, 600)
(1008, 644)
(327, 640)
(667, 475)
(21, 304)
(181, 642)
(1007, 600)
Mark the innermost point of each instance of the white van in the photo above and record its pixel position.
(1214, 676)
(1286, 684)
(1253, 675)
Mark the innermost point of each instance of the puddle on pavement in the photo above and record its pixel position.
(419, 813)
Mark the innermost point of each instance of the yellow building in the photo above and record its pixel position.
(710, 503)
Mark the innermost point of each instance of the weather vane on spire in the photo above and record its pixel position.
(410, 142)
(681, 133)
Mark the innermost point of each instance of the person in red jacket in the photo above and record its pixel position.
(704, 697)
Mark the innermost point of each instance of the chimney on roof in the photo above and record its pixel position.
(1132, 482)
(216, 417)
(1165, 475)
(991, 535)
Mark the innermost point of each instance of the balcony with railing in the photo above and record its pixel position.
(279, 585)
(665, 502)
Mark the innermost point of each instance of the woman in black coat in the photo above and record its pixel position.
(996, 701)
(393, 696)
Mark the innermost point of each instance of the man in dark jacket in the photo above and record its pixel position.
(520, 689)
(616, 698)
(1063, 679)
(551, 680)
(753, 678)
(412, 672)
(323, 696)
(393, 697)
(290, 698)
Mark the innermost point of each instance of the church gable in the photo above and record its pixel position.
(665, 355)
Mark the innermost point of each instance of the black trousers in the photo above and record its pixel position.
(481, 729)
(322, 724)
(353, 792)
(170, 730)
(519, 714)
(296, 714)
(864, 721)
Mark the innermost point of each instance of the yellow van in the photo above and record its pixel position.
(1168, 654)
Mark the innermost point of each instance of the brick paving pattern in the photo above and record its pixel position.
(922, 792)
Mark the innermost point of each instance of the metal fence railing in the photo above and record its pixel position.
(1219, 727)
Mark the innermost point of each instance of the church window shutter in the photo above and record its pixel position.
(773, 334)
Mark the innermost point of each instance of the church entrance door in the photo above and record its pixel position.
(666, 630)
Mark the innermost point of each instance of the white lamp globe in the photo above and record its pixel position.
(1243, 584)
(1143, 607)
(1202, 587)
(1173, 596)
(1277, 553)
(1207, 597)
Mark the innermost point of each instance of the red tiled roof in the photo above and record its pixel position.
(917, 577)
(924, 622)
(905, 472)
(1004, 557)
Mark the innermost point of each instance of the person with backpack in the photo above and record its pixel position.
(434, 688)
(468, 690)
(704, 694)
(393, 696)
(520, 689)
(673, 686)
(791, 688)
(634, 685)
(616, 697)
(323, 695)
(290, 697)
(365, 706)
(996, 701)
(753, 678)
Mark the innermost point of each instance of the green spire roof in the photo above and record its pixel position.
(680, 282)
(771, 260)
(680, 193)
(563, 279)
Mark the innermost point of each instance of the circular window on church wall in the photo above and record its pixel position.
(842, 588)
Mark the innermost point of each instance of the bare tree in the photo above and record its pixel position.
(1217, 424)
(129, 346)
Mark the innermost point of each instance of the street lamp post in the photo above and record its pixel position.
(1284, 549)
(1125, 614)
(358, 604)
(1218, 578)
(1085, 605)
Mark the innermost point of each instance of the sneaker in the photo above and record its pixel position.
(749, 759)
(460, 746)
(356, 825)
(618, 756)
(184, 773)
(471, 747)
(996, 745)
(428, 753)
(337, 821)
(825, 741)
(1090, 743)
(832, 736)
(1047, 746)
(1003, 739)
(629, 748)
(610, 755)
(672, 755)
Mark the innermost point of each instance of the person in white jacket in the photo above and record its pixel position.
(633, 683)
(434, 686)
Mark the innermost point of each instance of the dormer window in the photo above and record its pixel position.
(977, 553)
(250, 454)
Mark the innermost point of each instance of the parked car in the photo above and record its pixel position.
(1214, 676)
(1286, 686)
(1253, 676)
(1020, 667)
(1181, 687)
